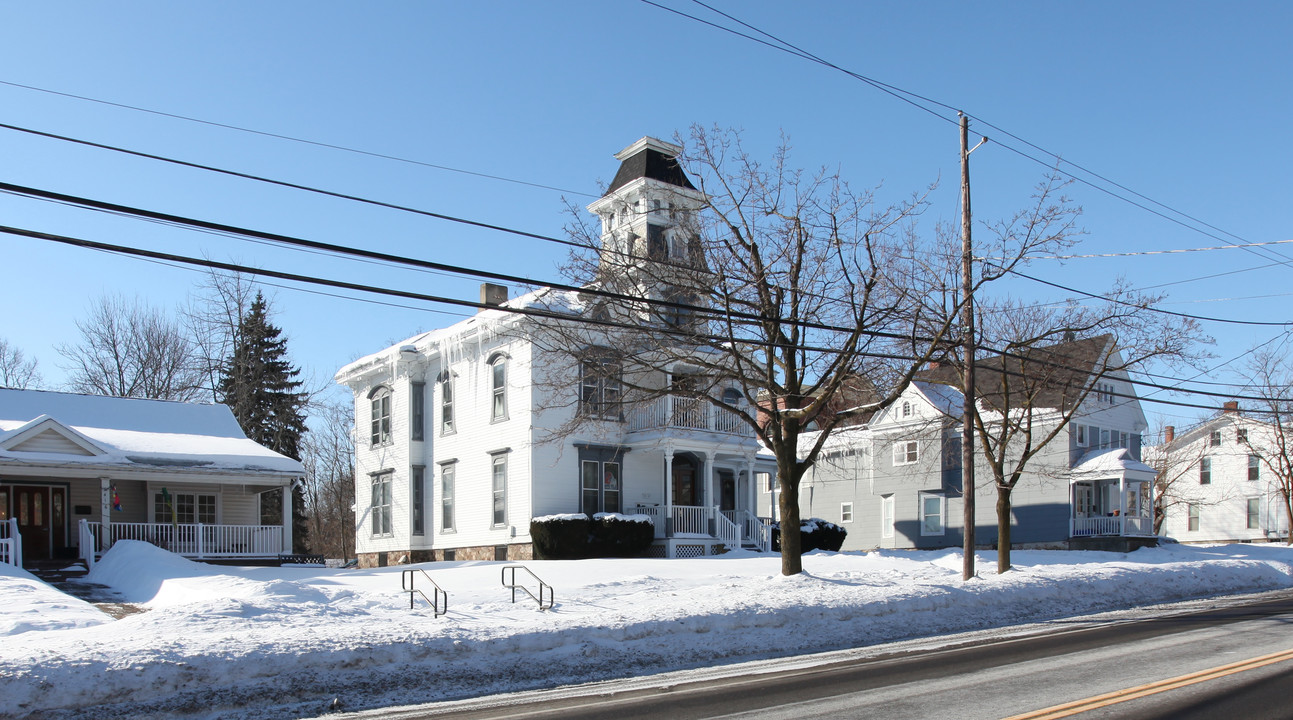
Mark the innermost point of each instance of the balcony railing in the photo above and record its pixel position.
(673, 411)
(194, 540)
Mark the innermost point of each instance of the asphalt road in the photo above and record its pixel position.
(1234, 663)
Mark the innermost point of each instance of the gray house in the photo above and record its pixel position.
(895, 481)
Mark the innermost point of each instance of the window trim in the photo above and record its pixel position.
(593, 396)
(448, 496)
(1193, 517)
(380, 433)
(888, 505)
(498, 408)
(846, 513)
(417, 500)
(1205, 471)
(417, 411)
(1214, 438)
(498, 459)
(942, 513)
(197, 499)
(910, 448)
(1254, 468)
(1254, 516)
(447, 399)
(376, 514)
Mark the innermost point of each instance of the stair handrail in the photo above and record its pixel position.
(437, 593)
(551, 598)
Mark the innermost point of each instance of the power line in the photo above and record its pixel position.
(290, 138)
(785, 46)
(1139, 253)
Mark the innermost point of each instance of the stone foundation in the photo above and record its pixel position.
(515, 552)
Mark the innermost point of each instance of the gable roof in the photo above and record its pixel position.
(38, 426)
(1050, 376)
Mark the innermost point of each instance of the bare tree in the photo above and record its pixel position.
(1043, 365)
(16, 369)
(128, 349)
(1176, 478)
(329, 458)
(762, 290)
(213, 317)
(1272, 381)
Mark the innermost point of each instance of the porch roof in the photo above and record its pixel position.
(1116, 462)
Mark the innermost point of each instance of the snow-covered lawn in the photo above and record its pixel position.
(287, 641)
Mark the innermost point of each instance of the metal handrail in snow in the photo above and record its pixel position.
(437, 593)
(542, 586)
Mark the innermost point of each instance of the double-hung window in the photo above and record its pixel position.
(846, 512)
(498, 388)
(380, 415)
(1214, 439)
(1205, 471)
(417, 410)
(906, 452)
(499, 473)
(418, 492)
(599, 480)
(447, 472)
(1254, 467)
(886, 516)
(381, 503)
(446, 403)
(933, 513)
(1193, 525)
(600, 387)
(1254, 513)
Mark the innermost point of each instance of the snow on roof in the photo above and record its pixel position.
(1110, 462)
(137, 432)
(945, 398)
(544, 299)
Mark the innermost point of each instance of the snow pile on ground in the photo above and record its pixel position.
(284, 642)
(31, 605)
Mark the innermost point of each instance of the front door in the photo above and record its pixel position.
(684, 483)
(31, 507)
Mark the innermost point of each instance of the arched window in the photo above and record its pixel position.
(732, 396)
(498, 387)
(906, 409)
(380, 414)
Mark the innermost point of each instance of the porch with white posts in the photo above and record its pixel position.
(701, 526)
(1111, 494)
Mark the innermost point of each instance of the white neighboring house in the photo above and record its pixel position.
(79, 472)
(895, 481)
(456, 451)
(1226, 491)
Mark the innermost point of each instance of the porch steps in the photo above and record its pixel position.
(68, 576)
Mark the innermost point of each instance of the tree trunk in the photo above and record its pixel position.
(791, 557)
(1003, 529)
(1288, 513)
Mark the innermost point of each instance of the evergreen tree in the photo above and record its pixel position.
(261, 388)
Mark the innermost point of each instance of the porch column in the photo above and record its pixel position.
(1122, 504)
(287, 517)
(104, 540)
(668, 491)
(707, 492)
(752, 489)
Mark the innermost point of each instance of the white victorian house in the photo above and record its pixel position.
(467, 433)
(80, 472)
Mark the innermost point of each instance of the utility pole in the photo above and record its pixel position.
(967, 338)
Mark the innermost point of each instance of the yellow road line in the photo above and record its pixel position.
(1099, 701)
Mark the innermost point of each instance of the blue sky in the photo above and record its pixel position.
(1186, 103)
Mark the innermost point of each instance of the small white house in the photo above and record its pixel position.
(458, 429)
(1220, 482)
(79, 472)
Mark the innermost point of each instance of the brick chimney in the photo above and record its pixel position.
(1169, 434)
(1230, 406)
(492, 295)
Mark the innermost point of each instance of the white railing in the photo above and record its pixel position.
(1139, 526)
(656, 513)
(726, 530)
(197, 539)
(1097, 526)
(683, 412)
(10, 543)
(690, 520)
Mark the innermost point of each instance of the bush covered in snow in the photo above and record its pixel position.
(616, 535)
(814, 534)
(568, 537)
(560, 537)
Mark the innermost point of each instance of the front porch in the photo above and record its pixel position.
(197, 541)
(695, 531)
(1118, 505)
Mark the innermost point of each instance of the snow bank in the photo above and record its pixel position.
(283, 642)
(31, 605)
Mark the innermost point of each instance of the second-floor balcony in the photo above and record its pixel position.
(678, 412)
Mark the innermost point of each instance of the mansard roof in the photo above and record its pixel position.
(653, 159)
